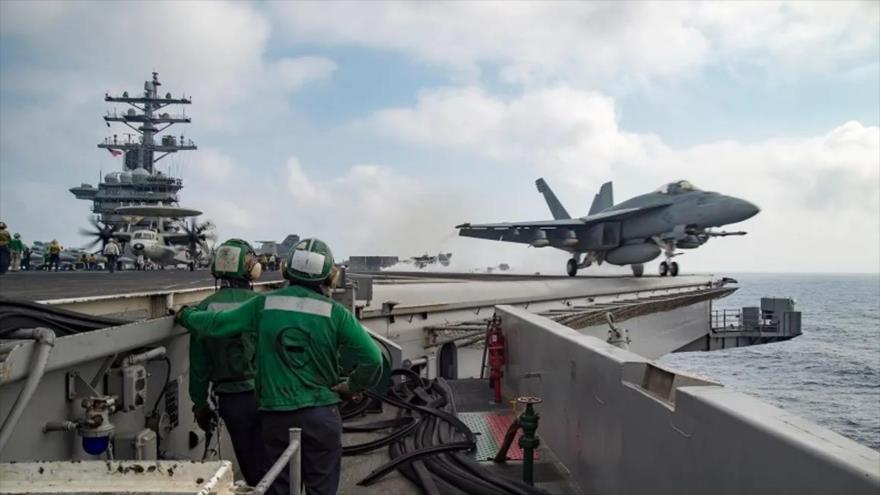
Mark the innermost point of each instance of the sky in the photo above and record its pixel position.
(379, 126)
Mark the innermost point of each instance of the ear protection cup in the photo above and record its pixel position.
(256, 270)
(252, 267)
(333, 279)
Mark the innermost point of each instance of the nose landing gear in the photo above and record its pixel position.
(668, 268)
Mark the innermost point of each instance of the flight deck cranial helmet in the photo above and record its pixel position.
(2, 225)
(236, 259)
(310, 261)
(16, 236)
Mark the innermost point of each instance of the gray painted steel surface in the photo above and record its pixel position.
(623, 425)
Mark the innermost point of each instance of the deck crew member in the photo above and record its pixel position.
(301, 336)
(55, 254)
(228, 364)
(26, 258)
(4, 248)
(111, 251)
(16, 248)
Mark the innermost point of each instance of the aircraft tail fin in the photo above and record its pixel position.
(603, 200)
(556, 207)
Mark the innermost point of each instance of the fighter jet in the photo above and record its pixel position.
(281, 249)
(427, 259)
(675, 216)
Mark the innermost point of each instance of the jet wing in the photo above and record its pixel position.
(524, 232)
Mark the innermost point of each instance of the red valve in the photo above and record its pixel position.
(495, 342)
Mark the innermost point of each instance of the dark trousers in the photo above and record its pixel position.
(54, 260)
(111, 262)
(242, 418)
(4, 259)
(321, 447)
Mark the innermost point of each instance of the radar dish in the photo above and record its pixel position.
(157, 211)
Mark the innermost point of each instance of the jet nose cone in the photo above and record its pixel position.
(742, 209)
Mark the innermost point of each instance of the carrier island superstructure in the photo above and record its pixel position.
(139, 182)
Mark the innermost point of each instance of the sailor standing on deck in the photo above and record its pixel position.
(4, 248)
(301, 336)
(111, 251)
(228, 364)
(55, 255)
(16, 248)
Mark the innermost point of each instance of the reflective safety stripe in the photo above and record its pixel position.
(299, 305)
(223, 306)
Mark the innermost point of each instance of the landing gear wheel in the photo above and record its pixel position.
(664, 268)
(571, 267)
(638, 269)
(673, 269)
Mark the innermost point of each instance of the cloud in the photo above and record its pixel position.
(616, 42)
(560, 130)
(215, 51)
(813, 190)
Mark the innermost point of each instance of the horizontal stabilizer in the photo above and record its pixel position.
(603, 200)
(556, 207)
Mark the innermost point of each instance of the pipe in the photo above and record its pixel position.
(133, 359)
(60, 426)
(45, 341)
(292, 455)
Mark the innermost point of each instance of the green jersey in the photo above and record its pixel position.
(229, 362)
(16, 245)
(301, 338)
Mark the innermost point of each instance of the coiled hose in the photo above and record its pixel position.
(427, 442)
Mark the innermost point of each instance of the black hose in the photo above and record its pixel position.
(382, 442)
(165, 386)
(16, 314)
(427, 440)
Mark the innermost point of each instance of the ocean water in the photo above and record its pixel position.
(830, 374)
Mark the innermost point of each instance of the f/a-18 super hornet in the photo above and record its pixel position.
(675, 216)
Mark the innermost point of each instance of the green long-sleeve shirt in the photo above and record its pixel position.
(301, 337)
(16, 245)
(229, 363)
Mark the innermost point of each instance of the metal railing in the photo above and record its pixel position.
(292, 457)
(726, 320)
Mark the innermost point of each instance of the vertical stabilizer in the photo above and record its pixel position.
(556, 207)
(603, 200)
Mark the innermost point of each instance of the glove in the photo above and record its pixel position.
(179, 314)
(345, 392)
(206, 418)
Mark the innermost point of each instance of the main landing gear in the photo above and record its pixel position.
(638, 269)
(571, 267)
(668, 268)
(576, 262)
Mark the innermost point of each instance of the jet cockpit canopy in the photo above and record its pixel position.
(677, 187)
(144, 235)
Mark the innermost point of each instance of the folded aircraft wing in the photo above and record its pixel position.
(524, 232)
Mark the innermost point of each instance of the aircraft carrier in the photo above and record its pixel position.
(611, 419)
(496, 383)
